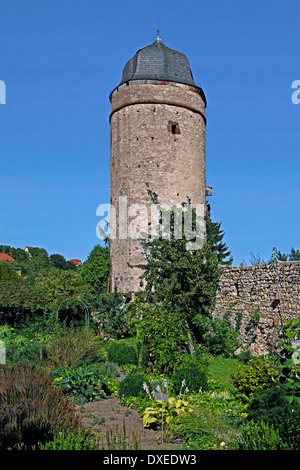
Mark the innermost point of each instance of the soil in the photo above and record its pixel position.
(108, 416)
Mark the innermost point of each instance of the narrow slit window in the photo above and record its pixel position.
(173, 128)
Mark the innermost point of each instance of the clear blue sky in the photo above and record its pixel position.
(60, 59)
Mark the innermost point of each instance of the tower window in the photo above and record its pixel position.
(173, 127)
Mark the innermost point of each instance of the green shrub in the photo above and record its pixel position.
(82, 384)
(132, 385)
(165, 411)
(257, 374)
(202, 429)
(192, 373)
(164, 334)
(218, 334)
(121, 353)
(29, 353)
(272, 407)
(70, 348)
(107, 369)
(259, 436)
(20, 348)
(32, 409)
(245, 357)
(66, 441)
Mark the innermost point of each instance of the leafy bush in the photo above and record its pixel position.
(112, 315)
(192, 373)
(132, 385)
(287, 361)
(66, 441)
(218, 334)
(107, 369)
(32, 409)
(163, 332)
(70, 348)
(20, 348)
(272, 407)
(257, 374)
(258, 436)
(245, 357)
(121, 353)
(202, 429)
(29, 354)
(164, 410)
(82, 384)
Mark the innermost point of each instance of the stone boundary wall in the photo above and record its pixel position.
(259, 298)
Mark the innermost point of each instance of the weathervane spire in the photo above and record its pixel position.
(158, 39)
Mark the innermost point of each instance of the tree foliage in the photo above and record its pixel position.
(180, 286)
(178, 276)
(277, 255)
(95, 271)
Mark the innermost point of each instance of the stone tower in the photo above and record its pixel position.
(157, 138)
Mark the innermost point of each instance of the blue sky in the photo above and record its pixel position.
(60, 59)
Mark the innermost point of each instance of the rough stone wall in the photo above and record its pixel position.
(144, 150)
(264, 295)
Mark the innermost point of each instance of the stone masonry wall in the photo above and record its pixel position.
(263, 296)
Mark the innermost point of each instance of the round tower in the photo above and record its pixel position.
(157, 142)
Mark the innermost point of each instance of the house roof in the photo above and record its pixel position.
(75, 261)
(5, 257)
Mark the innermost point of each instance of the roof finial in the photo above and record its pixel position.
(158, 39)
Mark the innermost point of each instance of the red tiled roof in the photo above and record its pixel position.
(5, 257)
(76, 261)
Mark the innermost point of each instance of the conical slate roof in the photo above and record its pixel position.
(158, 62)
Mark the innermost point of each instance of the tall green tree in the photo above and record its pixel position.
(59, 261)
(95, 271)
(7, 272)
(175, 275)
(55, 286)
(215, 239)
(16, 296)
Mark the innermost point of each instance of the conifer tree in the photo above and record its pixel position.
(215, 239)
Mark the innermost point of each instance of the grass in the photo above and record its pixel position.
(221, 368)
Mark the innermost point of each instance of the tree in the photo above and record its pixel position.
(184, 278)
(7, 272)
(294, 255)
(58, 261)
(57, 285)
(95, 271)
(214, 238)
(16, 296)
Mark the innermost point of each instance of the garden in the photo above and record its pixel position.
(82, 390)
(87, 369)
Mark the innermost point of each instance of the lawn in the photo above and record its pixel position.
(220, 368)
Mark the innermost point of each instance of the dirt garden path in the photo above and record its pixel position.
(109, 416)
